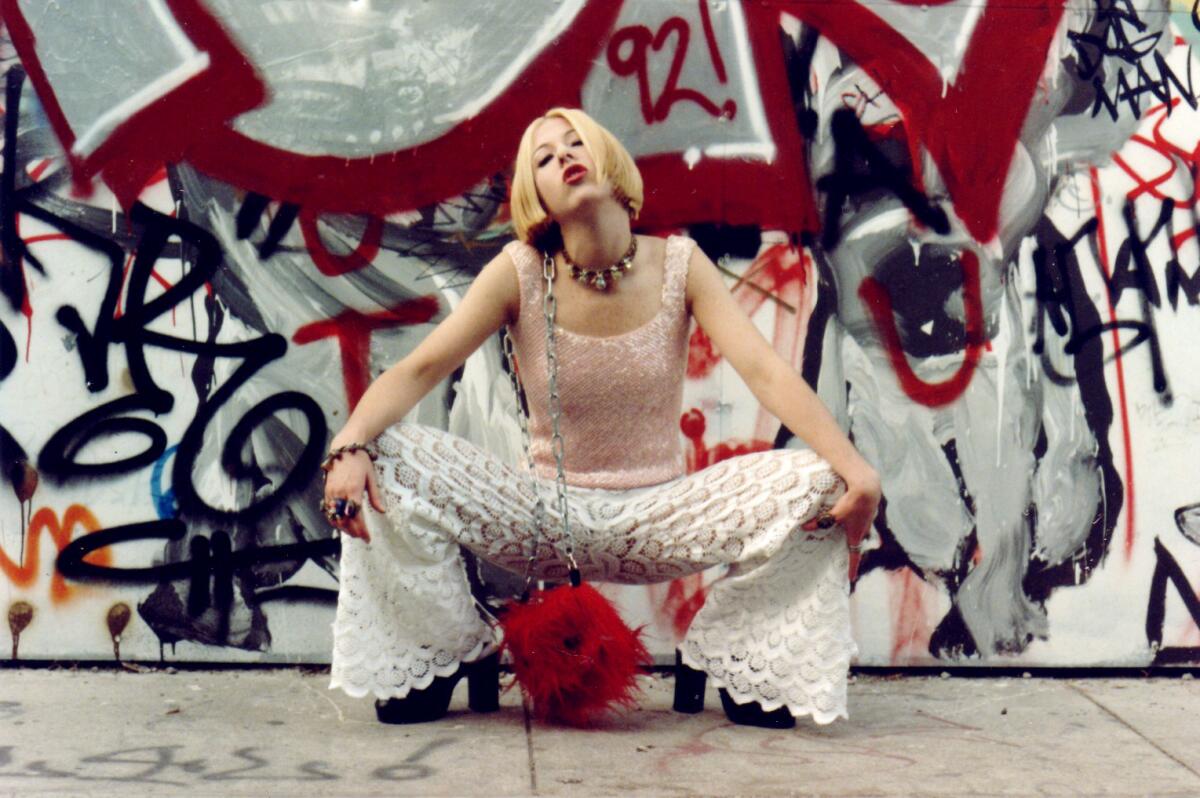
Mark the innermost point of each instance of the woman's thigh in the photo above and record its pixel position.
(739, 511)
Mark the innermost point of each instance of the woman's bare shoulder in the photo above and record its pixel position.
(655, 246)
(499, 282)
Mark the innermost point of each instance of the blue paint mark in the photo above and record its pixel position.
(164, 500)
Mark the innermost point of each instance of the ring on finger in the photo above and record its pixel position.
(330, 511)
(826, 521)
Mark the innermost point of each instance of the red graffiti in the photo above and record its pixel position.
(1173, 157)
(353, 332)
(703, 357)
(774, 194)
(635, 61)
(46, 520)
(879, 303)
(781, 274)
(332, 265)
(780, 271)
(684, 599)
(969, 128)
(193, 123)
(168, 130)
(1122, 403)
(911, 596)
(693, 424)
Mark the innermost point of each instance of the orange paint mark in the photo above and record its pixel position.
(45, 519)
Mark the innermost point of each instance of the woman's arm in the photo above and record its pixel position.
(784, 393)
(492, 300)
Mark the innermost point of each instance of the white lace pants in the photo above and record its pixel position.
(775, 629)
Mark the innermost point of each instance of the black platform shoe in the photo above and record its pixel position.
(431, 703)
(689, 698)
(689, 687)
(752, 714)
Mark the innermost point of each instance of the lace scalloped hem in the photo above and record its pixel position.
(797, 710)
(340, 678)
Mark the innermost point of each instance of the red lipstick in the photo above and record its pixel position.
(574, 173)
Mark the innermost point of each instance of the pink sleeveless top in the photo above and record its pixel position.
(621, 395)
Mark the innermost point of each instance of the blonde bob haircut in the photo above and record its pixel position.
(613, 162)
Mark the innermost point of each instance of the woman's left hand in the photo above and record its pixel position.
(854, 513)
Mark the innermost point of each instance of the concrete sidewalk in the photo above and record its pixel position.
(282, 732)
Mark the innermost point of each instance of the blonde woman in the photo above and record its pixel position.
(774, 633)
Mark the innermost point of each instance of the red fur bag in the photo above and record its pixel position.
(572, 655)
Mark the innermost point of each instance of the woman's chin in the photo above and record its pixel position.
(583, 199)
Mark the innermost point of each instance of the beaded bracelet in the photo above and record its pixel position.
(333, 456)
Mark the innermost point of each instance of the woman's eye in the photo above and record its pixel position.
(545, 159)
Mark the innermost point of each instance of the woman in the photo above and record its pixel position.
(774, 632)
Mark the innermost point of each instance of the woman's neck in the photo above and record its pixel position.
(597, 239)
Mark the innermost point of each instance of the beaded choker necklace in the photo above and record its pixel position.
(600, 279)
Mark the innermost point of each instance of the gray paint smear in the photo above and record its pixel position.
(354, 79)
(996, 423)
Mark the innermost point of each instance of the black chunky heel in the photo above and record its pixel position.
(432, 703)
(483, 684)
(753, 714)
(689, 687)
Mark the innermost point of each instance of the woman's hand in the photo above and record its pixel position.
(348, 478)
(855, 512)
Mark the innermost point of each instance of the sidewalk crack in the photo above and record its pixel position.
(1136, 731)
(533, 787)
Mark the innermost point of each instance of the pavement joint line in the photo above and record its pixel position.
(533, 788)
(1135, 730)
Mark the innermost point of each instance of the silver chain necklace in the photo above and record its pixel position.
(549, 311)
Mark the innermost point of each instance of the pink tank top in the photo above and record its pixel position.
(621, 395)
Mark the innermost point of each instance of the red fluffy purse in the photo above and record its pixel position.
(572, 655)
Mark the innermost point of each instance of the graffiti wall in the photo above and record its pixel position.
(970, 224)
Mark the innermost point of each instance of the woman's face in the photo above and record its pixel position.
(563, 171)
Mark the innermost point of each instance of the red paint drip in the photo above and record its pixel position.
(1121, 400)
(117, 311)
(910, 625)
(684, 599)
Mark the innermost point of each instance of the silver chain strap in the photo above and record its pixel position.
(549, 311)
